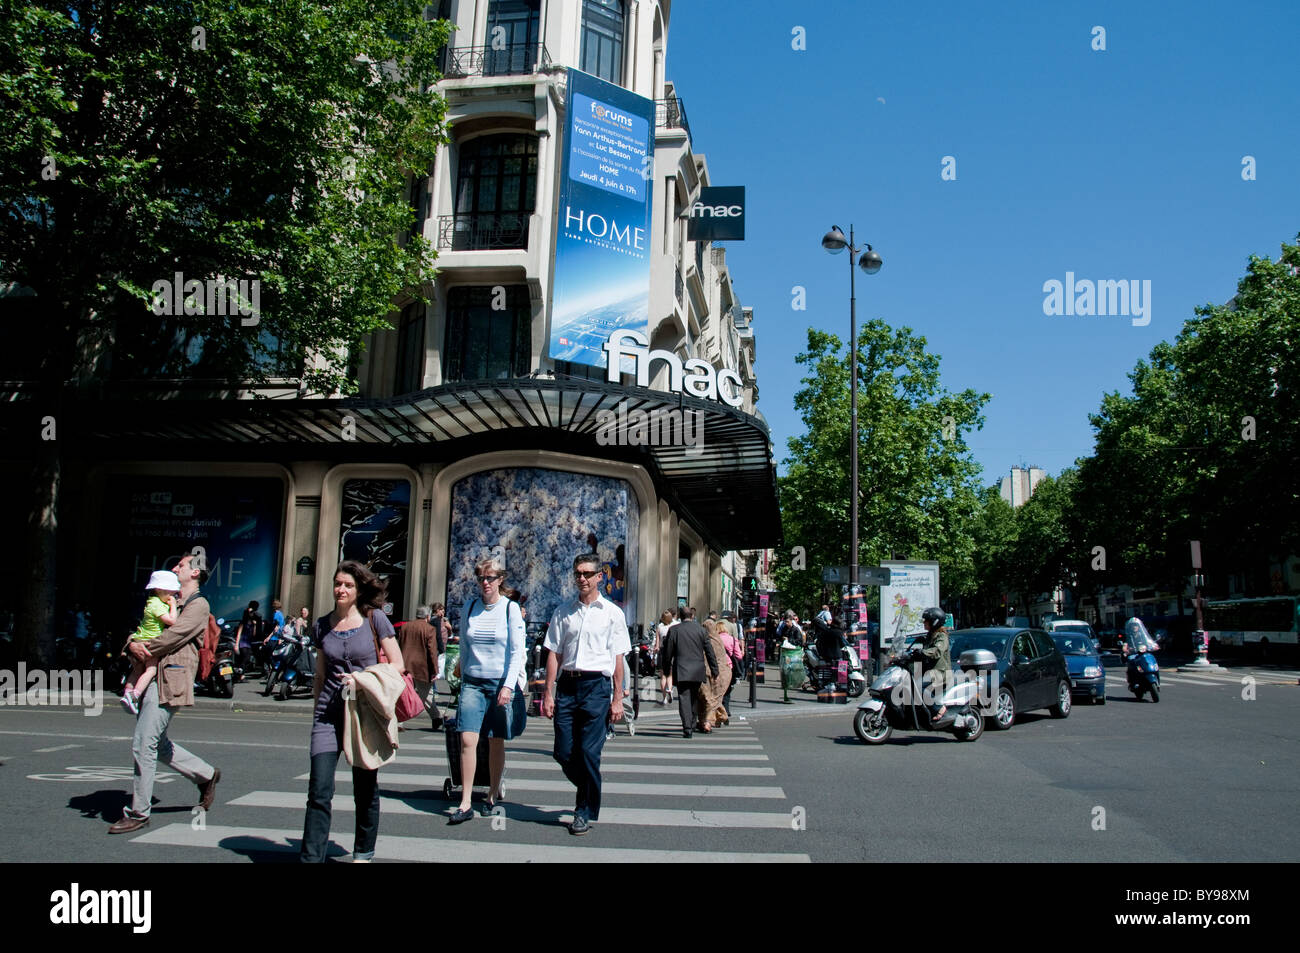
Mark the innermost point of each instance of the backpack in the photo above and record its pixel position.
(208, 652)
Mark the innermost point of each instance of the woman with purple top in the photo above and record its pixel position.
(346, 640)
(492, 688)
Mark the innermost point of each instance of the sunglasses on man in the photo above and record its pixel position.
(579, 574)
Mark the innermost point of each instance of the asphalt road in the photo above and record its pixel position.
(1205, 775)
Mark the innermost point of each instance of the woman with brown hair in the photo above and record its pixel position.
(709, 711)
(347, 640)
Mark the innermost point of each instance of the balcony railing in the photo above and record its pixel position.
(479, 231)
(671, 114)
(679, 286)
(513, 59)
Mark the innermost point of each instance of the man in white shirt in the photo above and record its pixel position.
(587, 639)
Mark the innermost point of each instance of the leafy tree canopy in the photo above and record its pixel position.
(258, 139)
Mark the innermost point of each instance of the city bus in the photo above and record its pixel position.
(1271, 620)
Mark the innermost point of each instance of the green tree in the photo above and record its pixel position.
(268, 140)
(917, 487)
(993, 541)
(1205, 447)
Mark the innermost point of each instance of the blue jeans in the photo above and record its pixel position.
(320, 795)
(581, 707)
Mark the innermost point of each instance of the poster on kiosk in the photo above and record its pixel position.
(913, 588)
(602, 243)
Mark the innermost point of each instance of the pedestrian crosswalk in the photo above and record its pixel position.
(1229, 677)
(713, 798)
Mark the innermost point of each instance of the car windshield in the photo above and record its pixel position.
(995, 642)
(1072, 630)
(1073, 644)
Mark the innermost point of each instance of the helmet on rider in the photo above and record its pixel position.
(933, 618)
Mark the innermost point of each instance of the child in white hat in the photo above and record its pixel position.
(160, 610)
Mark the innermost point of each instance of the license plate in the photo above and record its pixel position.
(226, 668)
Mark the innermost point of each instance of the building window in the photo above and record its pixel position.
(512, 37)
(410, 349)
(420, 201)
(486, 342)
(602, 39)
(496, 189)
(187, 348)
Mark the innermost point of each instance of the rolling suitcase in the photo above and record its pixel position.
(481, 778)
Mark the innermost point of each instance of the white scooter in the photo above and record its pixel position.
(896, 701)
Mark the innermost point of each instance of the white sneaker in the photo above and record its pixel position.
(130, 703)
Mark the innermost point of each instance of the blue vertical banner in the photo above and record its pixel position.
(602, 243)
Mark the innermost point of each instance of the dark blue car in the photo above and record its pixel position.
(1087, 676)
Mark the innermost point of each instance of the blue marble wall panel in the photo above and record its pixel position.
(541, 519)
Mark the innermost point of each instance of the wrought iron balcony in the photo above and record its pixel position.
(480, 231)
(671, 114)
(513, 59)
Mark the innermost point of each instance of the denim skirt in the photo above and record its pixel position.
(478, 711)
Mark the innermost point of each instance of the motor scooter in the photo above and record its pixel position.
(1143, 669)
(299, 668)
(857, 678)
(221, 679)
(896, 701)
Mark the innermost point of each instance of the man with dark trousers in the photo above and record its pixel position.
(685, 650)
(419, 642)
(588, 640)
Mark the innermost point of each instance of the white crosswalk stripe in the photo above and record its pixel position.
(447, 850)
(653, 781)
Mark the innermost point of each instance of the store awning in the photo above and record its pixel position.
(724, 485)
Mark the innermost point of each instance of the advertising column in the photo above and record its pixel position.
(602, 257)
(913, 587)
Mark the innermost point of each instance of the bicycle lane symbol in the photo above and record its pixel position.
(100, 773)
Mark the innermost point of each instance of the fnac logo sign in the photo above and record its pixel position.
(604, 113)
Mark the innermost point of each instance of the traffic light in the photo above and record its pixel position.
(749, 584)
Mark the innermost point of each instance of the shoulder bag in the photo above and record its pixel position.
(408, 703)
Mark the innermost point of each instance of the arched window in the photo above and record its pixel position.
(603, 24)
(496, 191)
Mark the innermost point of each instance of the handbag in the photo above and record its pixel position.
(408, 703)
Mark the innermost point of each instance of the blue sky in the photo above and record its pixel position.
(1117, 164)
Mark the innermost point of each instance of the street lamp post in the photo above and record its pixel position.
(870, 262)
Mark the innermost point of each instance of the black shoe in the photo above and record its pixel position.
(489, 807)
(686, 732)
(437, 725)
(580, 825)
(460, 817)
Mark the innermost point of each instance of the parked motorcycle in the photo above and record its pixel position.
(849, 653)
(896, 701)
(1143, 670)
(299, 669)
(220, 682)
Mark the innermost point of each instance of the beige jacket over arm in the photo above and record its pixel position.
(369, 719)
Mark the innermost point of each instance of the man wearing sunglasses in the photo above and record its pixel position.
(588, 640)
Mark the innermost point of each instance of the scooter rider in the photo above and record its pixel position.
(936, 663)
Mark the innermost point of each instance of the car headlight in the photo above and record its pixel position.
(1092, 671)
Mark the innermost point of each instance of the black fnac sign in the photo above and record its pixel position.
(718, 214)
